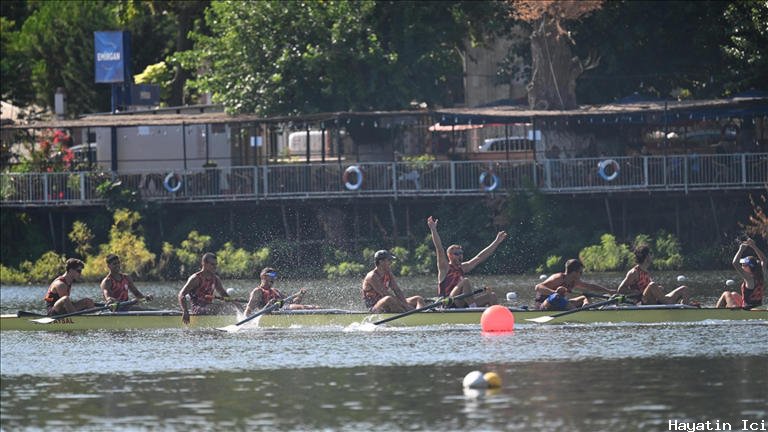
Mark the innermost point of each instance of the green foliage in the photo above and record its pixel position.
(81, 236)
(11, 276)
(665, 249)
(118, 195)
(554, 263)
(607, 256)
(45, 268)
(344, 269)
(237, 263)
(125, 240)
(271, 59)
(192, 249)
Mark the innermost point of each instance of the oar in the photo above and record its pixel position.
(444, 301)
(266, 309)
(230, 299)
(548, 318)
(113, 306)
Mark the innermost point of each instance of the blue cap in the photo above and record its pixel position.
(750, 261)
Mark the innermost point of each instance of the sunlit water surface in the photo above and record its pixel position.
(618, 377)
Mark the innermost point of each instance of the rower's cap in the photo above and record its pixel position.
(750, 261)
(383, 254)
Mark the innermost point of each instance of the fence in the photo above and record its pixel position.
(392, 179)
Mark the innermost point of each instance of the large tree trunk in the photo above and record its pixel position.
(553, 81)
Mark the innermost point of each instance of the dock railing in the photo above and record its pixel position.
(738, 171)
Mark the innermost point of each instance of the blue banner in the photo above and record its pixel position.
(111, 56)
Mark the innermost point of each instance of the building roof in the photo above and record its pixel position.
(620, 112)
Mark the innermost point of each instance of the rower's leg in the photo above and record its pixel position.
(653, 295)
(63, 305)
(416, 301)
(486, 298)
(85, 303)
(678, 295)
(464, 287)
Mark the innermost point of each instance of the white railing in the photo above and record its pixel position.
(444, 178)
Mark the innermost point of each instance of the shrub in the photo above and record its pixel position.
(45, 269)
(11, 276)
(607, 256)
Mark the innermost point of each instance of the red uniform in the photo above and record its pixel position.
(453, 278)
(119, 289)
(202, 297)
(267, 295)
(752, 297)
(51, 296)
(371, 296)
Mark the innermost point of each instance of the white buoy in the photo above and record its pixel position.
(475, 380)
(230, 291)
(682, 278)
(542, 277)
(511, 296)
(730, 282)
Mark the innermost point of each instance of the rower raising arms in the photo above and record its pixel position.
(201, 287)
(380, 291)
(266, 293)
(638, 281)
(752, 271)
(570, 279)
(451, 269)
(57, 298)
(116, 285)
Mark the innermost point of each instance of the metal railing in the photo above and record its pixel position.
(392, 179)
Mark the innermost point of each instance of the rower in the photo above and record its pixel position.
(752, 271)
(638, 282)
(451, 269)
(201, 287)
(570, 279)
(266, 293)
(115, 285)
(380, 291)
(57, 298)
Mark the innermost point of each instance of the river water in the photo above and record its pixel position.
(617, 377)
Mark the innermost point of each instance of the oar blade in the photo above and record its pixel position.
(46, 320)
(541, 319)
(233, 328)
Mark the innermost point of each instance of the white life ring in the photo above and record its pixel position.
(353, 169)
(494, 182)
(603, 166)
(167, 182)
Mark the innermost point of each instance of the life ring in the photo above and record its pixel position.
(167, 182)
(353, 169)
(494, 181)
(603, 166)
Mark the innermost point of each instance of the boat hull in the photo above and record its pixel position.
(333, 317)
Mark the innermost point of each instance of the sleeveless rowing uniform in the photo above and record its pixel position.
(267, 295)
(51, 296)
(119, 290)
(539, 299)
(642, 282)
(202, 297)
(751, 298)
(453, 278)
(371, 297)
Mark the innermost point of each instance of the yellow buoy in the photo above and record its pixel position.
(493, 379)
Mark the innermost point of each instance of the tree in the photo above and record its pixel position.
(276, 58)
(747, 45)
(554, 67)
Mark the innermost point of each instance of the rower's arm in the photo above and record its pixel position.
(485, 253)
(106, 290)
(629, 279)
(759, 253)
(135, 291)
(593, 287)
(191, 284)
(253, 300)
(440, 254)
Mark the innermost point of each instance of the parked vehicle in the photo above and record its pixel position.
(513, 143)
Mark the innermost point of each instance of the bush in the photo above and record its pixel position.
(11, 276)
(45, 269)
(554, 263)
(607, 256)
(344, 269)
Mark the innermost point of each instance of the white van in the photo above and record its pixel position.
(297, 143)
(515, 143)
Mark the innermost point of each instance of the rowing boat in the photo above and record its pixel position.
(337, 317)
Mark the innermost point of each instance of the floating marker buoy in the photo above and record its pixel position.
(730, 282)
(475, 380)
(493, 379)
(542, 277)
(511, 296)
(497, 318)
(682, 278)
(230, 291)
